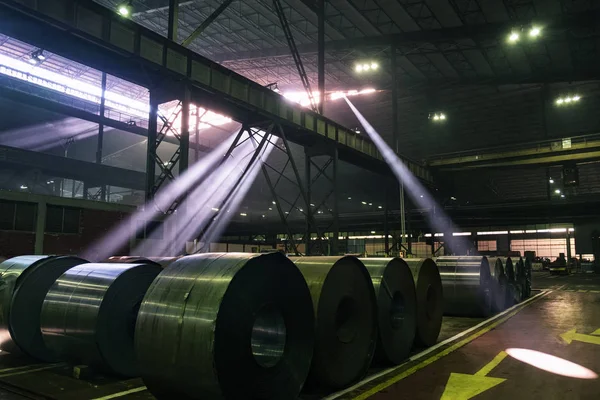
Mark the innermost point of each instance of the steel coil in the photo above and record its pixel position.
(430, 300)
(521, 279)
(163, 262)
(498, 287)
(89, 315)
(24, 282)
(512, 291)
(346, 318)
(226, 325)
(467, 284)
(396, 307)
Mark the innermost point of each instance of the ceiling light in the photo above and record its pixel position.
(243, 214)
(312, 205)
(274, 203)
(559, 101)
(359, 68)
(366, 67)
(349, 198)
(370, 204)
(421, 196)
(380, 207)
(562, 195)
(557, 191)
(551, 180)
(23, 187)
(514, 37)
(452, 198)
(374, 66)
(576, 98)
(270, 209)
(33, 61)
(215, 209)
(568, 100)
(125, 9)
(372, 232)
(264, 216)
(442, 116)
(319, 212)
(50, 182)
(364, 202)
(535, 31)
(436, 117)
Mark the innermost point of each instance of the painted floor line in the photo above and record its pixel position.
(121, 394)
(27, 371)
(21, 367)
(495, 320)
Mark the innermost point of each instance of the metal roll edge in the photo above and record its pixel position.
(396, 308)
(226, 325)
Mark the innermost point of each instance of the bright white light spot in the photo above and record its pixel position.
(568, 100)
(264, 216)
(562, 195)
(23, 187)
(551, 180)
(319, 212)
(442, 116)
(364, 202)
(374, 66)
(514, 37)
(124, 10)
(535, 31)
(372, 232)
(559, 101)
(243, 214)
(274, 203)
(50, 182)
(215, 209)
(421, 196)
(287, 212)
(452, 198)
(380, 207)
(349, 198)
(576, 98)
(557, 191)
(553, 364)
(301, 210)
(436, 117)
(33, 61)
(312, 205)
(359, 68)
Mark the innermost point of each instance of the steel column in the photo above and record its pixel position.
(40, 227)
(321, 55)
(336, 220)
(151, 148)
(184, 136)
(211, 18)
(100, 143)
(308, 179)
(173, 20)
(386, 227)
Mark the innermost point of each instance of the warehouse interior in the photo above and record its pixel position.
(313, 199)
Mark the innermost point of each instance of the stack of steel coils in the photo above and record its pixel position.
(430, 300)
(467, 285)
(90, 312)
(397, 307)
(520, 280)
(346, 318)
(24, 282)
(513, 291)
(499, 283)
(226, 325)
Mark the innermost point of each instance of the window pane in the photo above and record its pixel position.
(54, 219)
(25, 217)
(71, 220)
(7, 215)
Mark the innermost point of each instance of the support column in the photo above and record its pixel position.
(173, 20)
(321, 55)
(569, 255)
(184, 141)
(40, 227)
(197, 136)
(151, 152)
(336, 220)
(307, 177)
(386, 228)
(100, 143)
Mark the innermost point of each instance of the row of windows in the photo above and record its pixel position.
(21, 216)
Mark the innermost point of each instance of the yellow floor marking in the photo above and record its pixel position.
(30, 370)
(580, 337)
(121, 394)
(465, 386)
(594, 291)
(492, 364)
(596, 332)
(21, 367)
(582, 291)
(500, 318)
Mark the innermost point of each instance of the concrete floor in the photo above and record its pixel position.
(480, 368)
(472, 365)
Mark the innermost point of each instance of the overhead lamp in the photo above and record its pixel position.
(372, 232)
(364, 203)
(374, 66)
(557, 191)
(442, 116)
(568, 99)
(215, 209)
(367, 66)
(243, 214)
(513, 37)
(576, 98)
(562, 196)
(370, 204)
(50, 182)
(125, 9)
(551, 180)
(24, 187)
(359, 68)
(380, 207)
(452, 198)
(559, 101)
(436, 117)
(535, 31)
(37, 57)
(349, 198)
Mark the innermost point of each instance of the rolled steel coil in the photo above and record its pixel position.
(521, 279)
(24, 282)
(163, 262)
(346, 319)
(89, 315)
(528, 268)
(396, 307)
(512, 291)
(430, 300)
(466, 282)
(499, 283)
(226, 325)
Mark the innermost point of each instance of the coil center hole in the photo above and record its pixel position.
(346, 319)
(268, 337)
(397, 310)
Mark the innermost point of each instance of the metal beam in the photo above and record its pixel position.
(556, 26)
(198, 31)
(321, 56)
(173, 20)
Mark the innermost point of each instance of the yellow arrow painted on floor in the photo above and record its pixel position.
(465, 386)
(580, 337)
(596, 332)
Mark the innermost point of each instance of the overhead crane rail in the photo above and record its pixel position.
(88, 33)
